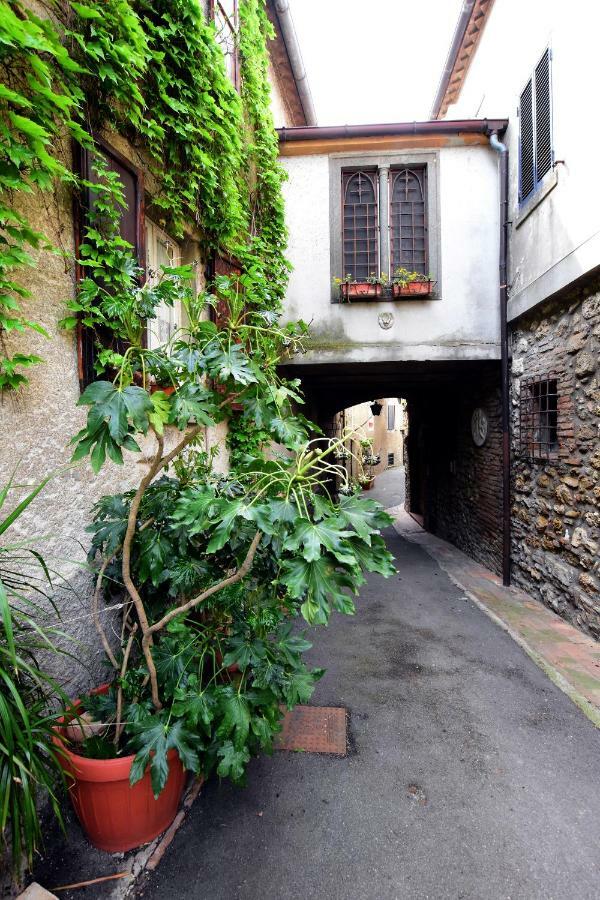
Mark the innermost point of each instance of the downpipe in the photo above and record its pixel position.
(500, 148)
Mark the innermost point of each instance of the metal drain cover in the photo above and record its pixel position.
(315, 729)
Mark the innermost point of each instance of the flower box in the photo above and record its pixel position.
(411, 288)
(360, 290)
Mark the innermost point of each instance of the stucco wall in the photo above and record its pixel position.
(37, 423)
(560, 239)
(463, 324)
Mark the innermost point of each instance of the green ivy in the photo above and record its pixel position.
(152, 70)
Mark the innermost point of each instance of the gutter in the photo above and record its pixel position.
(502, 150)
(455, 46)
(436, 127)
(290, 39)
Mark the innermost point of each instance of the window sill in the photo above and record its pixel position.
(534, 201)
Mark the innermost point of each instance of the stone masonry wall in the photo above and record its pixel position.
(556, 504)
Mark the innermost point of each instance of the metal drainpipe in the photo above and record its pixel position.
(502, 149)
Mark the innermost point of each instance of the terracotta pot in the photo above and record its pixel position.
(170, 389)
(360, 289)
(413, 287)
(368, 485)
(116, 816)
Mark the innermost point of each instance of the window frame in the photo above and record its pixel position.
(394, 173)
(538, 183)
(81, 205)
(391, 409)
(372, 176)
(534, 420)
(159, 234)
(377, 160)
(234, 30)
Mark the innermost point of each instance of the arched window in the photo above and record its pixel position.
(361, 249)
(408, 223)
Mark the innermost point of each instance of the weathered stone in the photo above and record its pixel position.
(572, 513)
(585, 364)
(576, 342)
(570, 481)
(541, 523)
(588, 583)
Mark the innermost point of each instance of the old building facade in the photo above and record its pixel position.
(553, 285)
(38, 421)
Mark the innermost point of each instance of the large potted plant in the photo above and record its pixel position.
(409, 284)
(214, 568)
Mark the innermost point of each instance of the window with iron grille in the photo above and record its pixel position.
(538, 417)
(360, 220)
(390, 459)
(408, 225)
(536, 155)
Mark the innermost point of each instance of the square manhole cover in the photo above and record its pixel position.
(315, 729)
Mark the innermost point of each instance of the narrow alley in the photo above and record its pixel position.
(469, 774)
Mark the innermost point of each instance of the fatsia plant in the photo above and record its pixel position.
(215, 568)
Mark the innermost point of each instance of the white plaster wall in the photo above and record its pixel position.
(559, 240)
(464, 324)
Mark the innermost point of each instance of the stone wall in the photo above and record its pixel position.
(556, 503)
(454, 484)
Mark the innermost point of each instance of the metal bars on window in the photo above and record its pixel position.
(408, 220)
(360, 225)
(538, 417)
(536, 155)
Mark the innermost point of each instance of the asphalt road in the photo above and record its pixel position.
(470, 775)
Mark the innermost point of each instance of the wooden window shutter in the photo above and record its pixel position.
(543, 118)
(131, 227)
(526, 143)
(536, 154)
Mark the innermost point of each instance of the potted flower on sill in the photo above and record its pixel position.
(369, 288)
(408, 284)
(366, 481)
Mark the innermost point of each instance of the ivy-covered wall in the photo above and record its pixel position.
(148, 75)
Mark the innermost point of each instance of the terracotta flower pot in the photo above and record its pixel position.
(116, 816)
(368, 485)
(360, 290)
(413, 287)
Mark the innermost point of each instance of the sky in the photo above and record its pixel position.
(374, 60)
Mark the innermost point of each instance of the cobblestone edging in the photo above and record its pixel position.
(556, 503)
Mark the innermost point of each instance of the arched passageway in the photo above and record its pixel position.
(453, 446)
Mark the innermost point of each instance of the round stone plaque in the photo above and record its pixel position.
(479, 426)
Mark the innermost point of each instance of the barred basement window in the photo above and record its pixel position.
(390, 461)
(360, 225)
(536, 155)
(408, 225)
(538, 417)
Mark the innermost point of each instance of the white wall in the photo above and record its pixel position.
(560, 239)
(463, 324)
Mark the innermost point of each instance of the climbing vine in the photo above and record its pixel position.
(153, 71)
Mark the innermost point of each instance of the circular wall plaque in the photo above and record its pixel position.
(479, 426)
(386, 320)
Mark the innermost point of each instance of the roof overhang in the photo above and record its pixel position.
(308, 140)
(284, 51)
(471, 22)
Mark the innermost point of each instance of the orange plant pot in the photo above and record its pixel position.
(116, 816)
(413, 287)
(360, 290)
